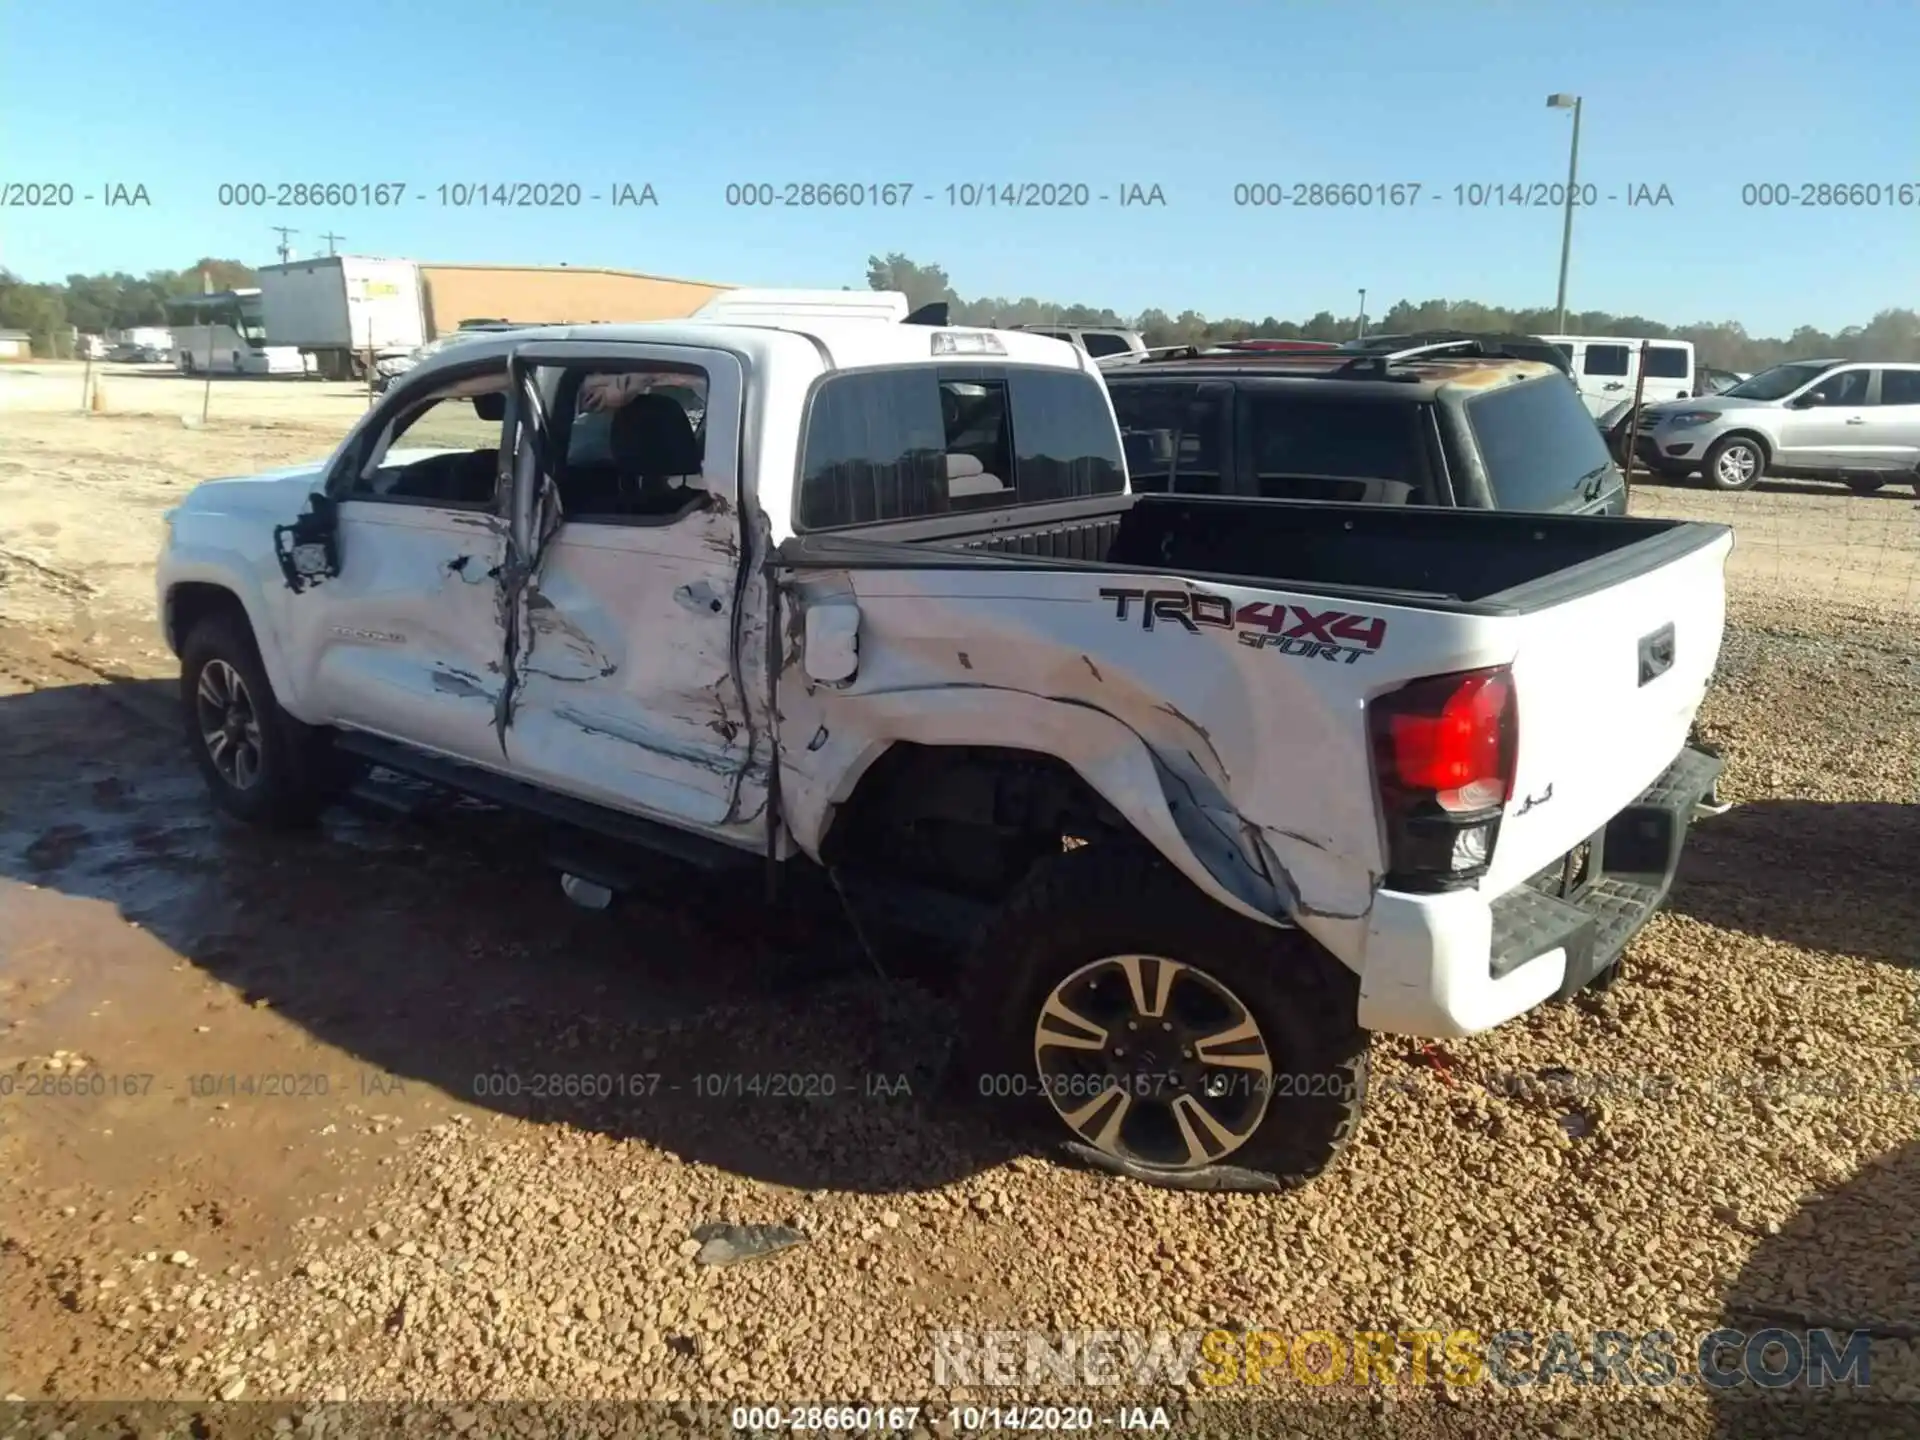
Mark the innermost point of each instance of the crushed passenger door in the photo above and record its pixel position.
(626, 687)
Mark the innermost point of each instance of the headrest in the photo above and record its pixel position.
(651, 435)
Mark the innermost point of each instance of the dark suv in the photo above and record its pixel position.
(1429, 425)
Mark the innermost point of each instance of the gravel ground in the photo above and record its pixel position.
(1729, 1136)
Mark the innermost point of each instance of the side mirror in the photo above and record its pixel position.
(491, 408)
(309, 549)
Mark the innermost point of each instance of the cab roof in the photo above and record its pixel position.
(838, 343)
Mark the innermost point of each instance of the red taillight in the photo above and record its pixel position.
(1444, 750)
(1458, 751)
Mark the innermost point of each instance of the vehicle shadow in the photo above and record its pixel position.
(439, 949)
(1824, 875)
(1899, 488)
(1848, 1260)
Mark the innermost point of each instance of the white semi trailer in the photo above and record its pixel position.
(341, 309)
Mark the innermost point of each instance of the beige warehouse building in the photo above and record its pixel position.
(553, 295)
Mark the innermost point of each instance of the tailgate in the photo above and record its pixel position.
(1607, 687)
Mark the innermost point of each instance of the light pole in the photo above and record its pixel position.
(1363, 314)
(1567, 102)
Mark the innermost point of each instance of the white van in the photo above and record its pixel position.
(1605, 368)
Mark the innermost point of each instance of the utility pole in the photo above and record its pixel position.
(283, 232)
(1567, 102)
(1361, 334)
(330, 237)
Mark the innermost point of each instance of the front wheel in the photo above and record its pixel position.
(1119, 1012)
(1735, 463)
(260, 764)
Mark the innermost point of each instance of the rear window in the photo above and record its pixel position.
(1314, 449)
(1171, 436)
(1900, 387)
(1538, 443)
(899, 444)
(1099, 345)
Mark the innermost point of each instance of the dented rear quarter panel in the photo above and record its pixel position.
(1270, 745)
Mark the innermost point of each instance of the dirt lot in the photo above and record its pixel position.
(1730, 1136)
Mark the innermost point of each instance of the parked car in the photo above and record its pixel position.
(1429, 425)
(1466, 342)
(1606, 369)
(1102, 342)
(1215, 786)
(1845, 420)
(1260, 347)
(1706, 381)
(390, 368)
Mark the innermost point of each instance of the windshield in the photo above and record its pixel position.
(1779, 382)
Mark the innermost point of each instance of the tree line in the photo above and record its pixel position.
(94, 304)
(1893, 334)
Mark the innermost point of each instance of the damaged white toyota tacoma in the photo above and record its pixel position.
(805, 581)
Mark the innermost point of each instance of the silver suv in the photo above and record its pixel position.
(1845, 420)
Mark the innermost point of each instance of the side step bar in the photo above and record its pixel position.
(615, 825)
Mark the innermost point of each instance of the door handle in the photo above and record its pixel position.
(1856, 420)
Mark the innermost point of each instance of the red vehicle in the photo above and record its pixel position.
(1245, 345)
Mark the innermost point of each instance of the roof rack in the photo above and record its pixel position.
(1382, 364)
(1154, 352)
(1480, 345)
(1215, 350)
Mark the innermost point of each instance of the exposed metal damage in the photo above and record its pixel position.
(545, 619)
(458, 682)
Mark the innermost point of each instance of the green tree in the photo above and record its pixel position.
(1892, 334)
(40, 310)
(922, 284)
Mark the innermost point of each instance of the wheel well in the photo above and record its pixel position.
(193, 601)
(966, 818)
(1754, 435)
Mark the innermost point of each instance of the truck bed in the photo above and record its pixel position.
(1481, 561)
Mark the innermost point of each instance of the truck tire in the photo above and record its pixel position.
(1866, 484)
(1247, 1068)
(1735, 463)
(260, 764)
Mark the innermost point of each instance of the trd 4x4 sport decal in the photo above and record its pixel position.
(1290, 629)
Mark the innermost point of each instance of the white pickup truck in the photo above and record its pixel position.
(790, 583)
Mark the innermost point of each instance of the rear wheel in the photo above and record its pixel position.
(1735, 463)
(260, 764)
(1116, 1010)
(1865, 485)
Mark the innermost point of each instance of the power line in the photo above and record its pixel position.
(284, 231)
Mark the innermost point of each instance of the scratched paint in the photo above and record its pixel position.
(646, 737)
(702, 597)
(571, 648)
(458, 682)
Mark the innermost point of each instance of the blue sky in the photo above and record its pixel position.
(1195, 97)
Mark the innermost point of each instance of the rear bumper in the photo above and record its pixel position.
(1456, 964)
